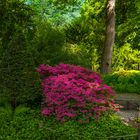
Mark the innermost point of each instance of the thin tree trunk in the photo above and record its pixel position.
(109, 38)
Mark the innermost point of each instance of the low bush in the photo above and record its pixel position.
(74, 92)
(124, 81)
(30, 125)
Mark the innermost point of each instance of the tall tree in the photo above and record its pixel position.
(109, 38)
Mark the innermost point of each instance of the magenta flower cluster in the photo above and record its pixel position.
(74, 92)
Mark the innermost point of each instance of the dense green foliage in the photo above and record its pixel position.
(87, 34)
(83, 24)
(124, 81)
(126, 58)
(127, 22)
(56, 12)
(16, 21)
(33, 32)
(19, 82)
(24, 123)
(47, 44)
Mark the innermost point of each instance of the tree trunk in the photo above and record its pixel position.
(109, 38)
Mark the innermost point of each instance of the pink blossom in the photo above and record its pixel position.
(46, 111)
(73, 91)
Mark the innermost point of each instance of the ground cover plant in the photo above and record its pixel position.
(25, 123)
(126, 81)
(74, 92)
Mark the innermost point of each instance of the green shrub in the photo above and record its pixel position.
(124, 81)
(47, 44)
(19, 81)
(30, 125)
(49, 47)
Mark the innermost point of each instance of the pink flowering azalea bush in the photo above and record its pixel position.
(74, 92)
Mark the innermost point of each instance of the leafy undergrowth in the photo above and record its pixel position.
(124, 81)
(25, 123)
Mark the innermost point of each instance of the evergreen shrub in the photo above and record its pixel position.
(20, 83)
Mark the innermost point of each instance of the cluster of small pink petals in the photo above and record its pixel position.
(74, 92)
(61, 69)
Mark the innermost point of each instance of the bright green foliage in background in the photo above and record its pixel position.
(56, 12)
(128, 23)
(126, 58)
(124, 81)
(88, 31)
(40, 31)
(61, 31)
(83, 24)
